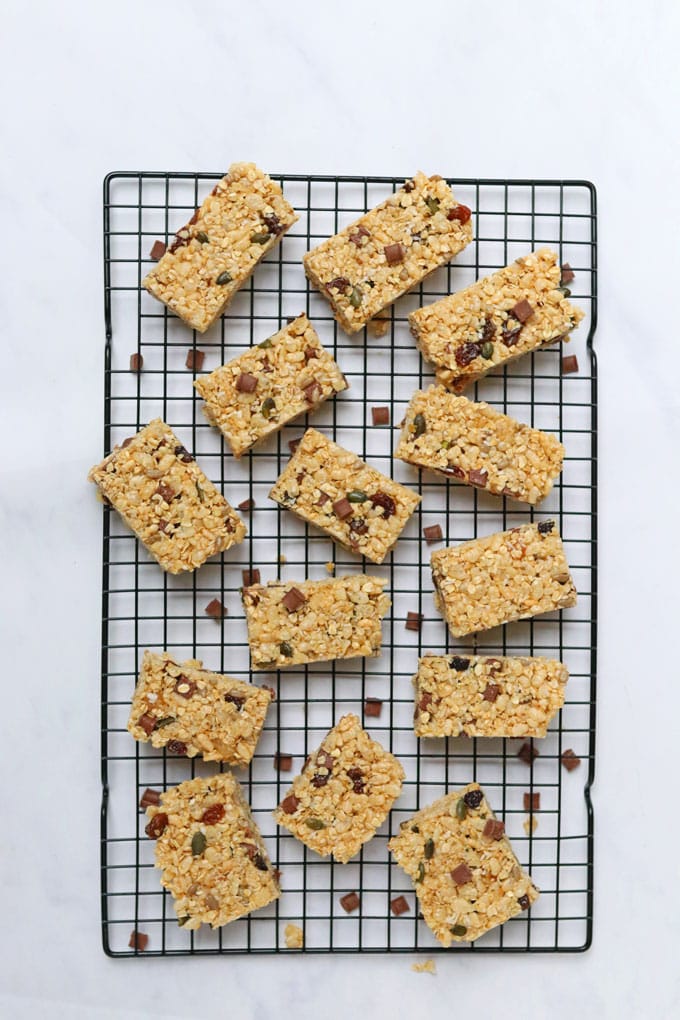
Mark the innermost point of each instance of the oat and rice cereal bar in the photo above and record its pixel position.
(161, 493)
(496, 320)
(510, 575)
(214, 254)
(343, 794)
(210, 852)
(487, 696)
(465, 873)
(290, 623)
(479, 446)
(287, 375)
(194, 711)
(332, 488)
(371, 263)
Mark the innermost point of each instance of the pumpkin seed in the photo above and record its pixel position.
(181, 921)
(286, 649)
(198, 843)
(432, 204)
(421, 872)
(202, 237)
(487, 350)
(357, 496)
(429, 849)
(165, 721)
(268, 406)
(224, 277)
(419, 426)
(315, 823)
(199, 492)
(458, 929)
(259, 238)
(461, 809)
(356, 297)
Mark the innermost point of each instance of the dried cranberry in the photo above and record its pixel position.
(473, 798)
(467, 353)
(460, 213)
(386, 502)
(213, 814)
(156, 826)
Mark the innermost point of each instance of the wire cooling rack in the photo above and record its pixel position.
(144, 608)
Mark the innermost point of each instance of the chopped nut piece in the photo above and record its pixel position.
(250, 577)
(414, 620)
(569, 760)
(349, 902)
(569, 364)
(157, 251)
(433, 533)
(195, 359)
(373, 707)
(399, 905)
(380, 415)
(136, 362)
(138, 941)
(216, 609)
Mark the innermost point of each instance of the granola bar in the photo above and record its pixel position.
(161, 493)
(510, 575)
(195, 711)
(210, 852)
(371, 263)
(496, 320)
(343, 794)
(479, 446)
(290, 623)
(215, 253)
(287, 375)
(332, 488)
(465, 873)
(485, 696)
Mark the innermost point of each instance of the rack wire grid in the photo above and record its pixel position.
(145, 608)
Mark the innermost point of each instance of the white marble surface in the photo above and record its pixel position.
(468, 89)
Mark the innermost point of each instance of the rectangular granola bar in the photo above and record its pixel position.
(343, 794)
(210, 852)
(193, 711)
(215, 253)
(290, 623)
(332, 488)
(161, 493)
(510, 575)
(479, 446)
(485, 696)
(496, 320)
(287, 375)
(380, 256)
(465, 873)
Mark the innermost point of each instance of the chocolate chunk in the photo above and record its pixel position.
(319, 780)
(358, 526)
(373, 707)
(158, 251)
(569, 760)
(522, 311)
(569, 364)
(523, 902)
(156, 826)
(477, 477)
(493, 829)
(313, 392)
(433, 533)
(358, 236)
(386, 502)
(323, 498)
(467, 353)
(510, 336)
(343, 508)
(147, 722)
(527, 753)
(459, 663)
(459, 212)
(250, 577)
(247, 504)
(425, 701)
(293, 599)
(293, 444)
(138, 940)
(461, 874)
(532, 802)
(545, 527)
(310, 354)
(414, 620)
(246, 383)
(181, 238)
(380, 415)
(394, 253)
(185, 687)
(567, 275)
(195, 359)
(473, 798)
(150, 797)
(273, 223)
(283, 762)
(136, 362)
(399, 905)
(453, 472)
(491, 692)
(340, 283)
(165, 492)
(235, 699)
(290, 804)
(350, 902)
(216, 609)
(177, 747)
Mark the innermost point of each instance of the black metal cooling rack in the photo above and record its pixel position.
(143, 608)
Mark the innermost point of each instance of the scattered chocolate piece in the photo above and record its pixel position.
(493, 829)
(293, 444)
(246, 383)
(461, 874)
(250, 577)
(567, 275)
(380, 415)
(150, 797)
(473, 798)
(195, 359)
(312, 392)
(213, 814)
(488, 331)
(527, 753)
(414, 620)
(310, 353)
(340, 283)
(466, 353)
(138, 941)
(399, 905)
(349, 902)
(247, 504)
(491, 692)
(184, 687)
(216, 609)
(510, 336)
(459, 663)
(273, 223)
(569, 760)
(569, 364)
(283, 762)
(165, 492)
(523, 902)
(358, 235)
(156, 826)
(323, 498)
(532, 802)
(176, 747)
(343, 508)
(290, 804)
(545, 527)
(425, 701)
(158, 251)
(293, 599)
(136, 362)
(433, 533)
(373, 707)
(394, 253)
(476, 477)
(522, 311)
(459, 212)
(147, 722)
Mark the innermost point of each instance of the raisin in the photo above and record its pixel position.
(386, 502)
(213, 814)
(176, 747)
(156, 826)
(235, 699)
(340, 283)
(357, 777)
(260, 863)
(358, 525)
(273, 224)
(523, 902)
(183, 454)
(459, 663)
(318, 780)
(488, 331)
(473, 798)
(467, 353)
(510, 336)
(545, 527)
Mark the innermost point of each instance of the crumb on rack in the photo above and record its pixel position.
(426, 967)
(294, 936)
